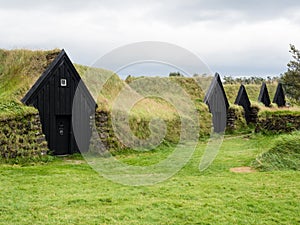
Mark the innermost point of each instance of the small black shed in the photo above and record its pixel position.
(242, 99)
(53, 95)
(264, 95)
(279, 97)
(217, 102)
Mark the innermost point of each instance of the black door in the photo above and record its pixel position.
(63, 125)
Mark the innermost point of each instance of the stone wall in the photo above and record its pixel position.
(270, 123)
(22, 137)
(253, 116)
(139, 128)
(105, 132)
(235, 119)
(278, 123)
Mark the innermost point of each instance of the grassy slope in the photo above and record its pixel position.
(19, 69)
(94, 77)
(65, 192)
(283, 155)
(190, 88)
(171, 89)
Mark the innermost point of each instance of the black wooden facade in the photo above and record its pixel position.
(53, 95)
(242, 99)
(279, 97)
(264, 95)
(218, 105)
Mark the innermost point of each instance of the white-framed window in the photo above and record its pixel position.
(63, 82)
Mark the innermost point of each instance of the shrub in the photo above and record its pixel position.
(284, 155)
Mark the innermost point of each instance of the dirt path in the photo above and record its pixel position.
(244, 169)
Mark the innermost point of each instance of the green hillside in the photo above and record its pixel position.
(103, 84)
(19, 69)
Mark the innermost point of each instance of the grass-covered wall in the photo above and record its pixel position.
(19, 69)
(22, 139)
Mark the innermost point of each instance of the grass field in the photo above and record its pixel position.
(68, 191)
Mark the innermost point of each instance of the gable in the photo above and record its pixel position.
(217, 103)
(242, 98)
(279, 97)
(62, 61)
(264, 95)
(216, 96)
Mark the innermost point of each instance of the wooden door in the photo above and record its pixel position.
(63, 134)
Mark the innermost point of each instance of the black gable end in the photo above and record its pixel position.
(26, 99)
(242, 99)
(43, 79)
(264, 95)
(216, 84)
(53, 95)
(279, 97)
(217, 102)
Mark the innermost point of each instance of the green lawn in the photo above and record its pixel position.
(68, 191)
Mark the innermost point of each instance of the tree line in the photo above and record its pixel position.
(249, 80)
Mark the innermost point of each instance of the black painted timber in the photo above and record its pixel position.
(279, 97)
(217, 102)
(242, 99)
(264, 95)
(55, 103)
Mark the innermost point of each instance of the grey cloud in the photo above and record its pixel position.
(89, 28)
(74, 5)
(226, 11)
(173, 11)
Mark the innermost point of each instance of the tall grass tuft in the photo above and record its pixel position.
(284, 155)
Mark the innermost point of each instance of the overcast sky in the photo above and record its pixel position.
(232, 37)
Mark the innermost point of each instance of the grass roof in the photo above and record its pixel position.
(19, 69)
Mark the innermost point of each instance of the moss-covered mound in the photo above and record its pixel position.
(278, 120)
(19, 69)
(176, 89)
(284, 155)
(22, 140)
